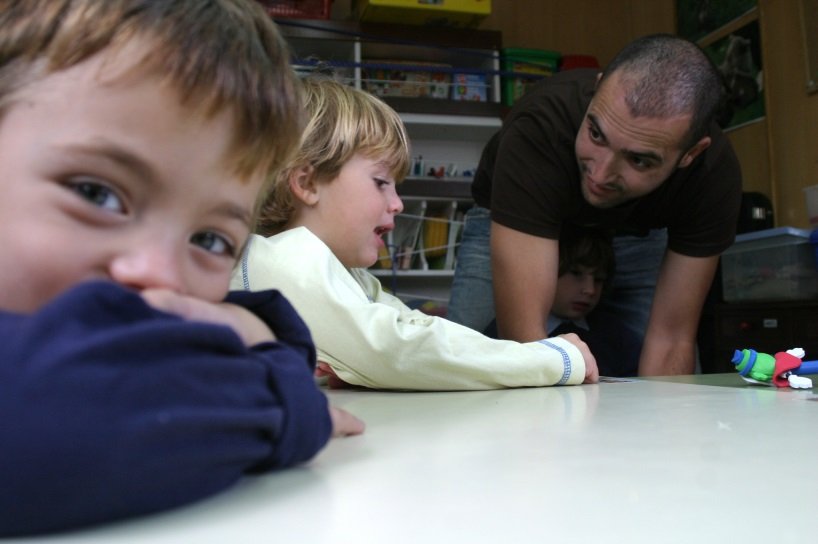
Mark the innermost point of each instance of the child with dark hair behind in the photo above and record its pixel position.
(586, 267)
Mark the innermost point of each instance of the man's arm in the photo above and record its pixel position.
(670, 341)
(524, 269)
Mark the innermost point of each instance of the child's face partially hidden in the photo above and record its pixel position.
(107, 176)
(355, 210)
(578, 292)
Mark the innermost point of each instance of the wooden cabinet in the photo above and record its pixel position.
(768, 327)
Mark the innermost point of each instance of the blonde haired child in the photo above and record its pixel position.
(136, 137)
(327, 214)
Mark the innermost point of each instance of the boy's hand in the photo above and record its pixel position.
(591, 370)
(323, 369)
(344, 423)
(249, 327)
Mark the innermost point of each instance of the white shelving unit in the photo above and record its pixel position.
(444, 140)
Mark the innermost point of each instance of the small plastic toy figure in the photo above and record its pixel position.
(784, 369)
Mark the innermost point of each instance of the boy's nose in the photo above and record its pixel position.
(150, 266)
(396, 205)
(588, 284)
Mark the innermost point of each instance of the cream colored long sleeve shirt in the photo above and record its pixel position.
(371, 338)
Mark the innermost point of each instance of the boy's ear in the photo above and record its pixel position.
(303, 185)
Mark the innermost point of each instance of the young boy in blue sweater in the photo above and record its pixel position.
(136, 138)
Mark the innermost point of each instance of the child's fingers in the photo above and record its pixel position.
(322, 370)
(248, 326)
(173, 303)
(344, 423)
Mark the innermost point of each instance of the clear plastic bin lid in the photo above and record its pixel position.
(773, 233)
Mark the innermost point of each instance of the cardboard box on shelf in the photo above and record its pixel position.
(405, 78)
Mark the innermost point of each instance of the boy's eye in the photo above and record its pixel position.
(213, 243)
(99, 195)
(380, 182)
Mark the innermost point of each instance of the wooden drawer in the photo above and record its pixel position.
(805, 330)
(753, 328)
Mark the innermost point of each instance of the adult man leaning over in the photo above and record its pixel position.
(634, 149)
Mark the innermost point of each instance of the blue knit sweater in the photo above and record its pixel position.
(110, 409)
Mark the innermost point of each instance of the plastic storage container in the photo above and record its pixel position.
(470, 87)
(571, 62)
(453, 13)
(525, 67)
(770, 265)
(813, 239)
(299, 9)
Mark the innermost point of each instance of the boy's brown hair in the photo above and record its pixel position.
(219, 55)
(341, 121)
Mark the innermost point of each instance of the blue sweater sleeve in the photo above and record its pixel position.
(111, 409)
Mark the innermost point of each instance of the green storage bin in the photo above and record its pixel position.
(537, 62)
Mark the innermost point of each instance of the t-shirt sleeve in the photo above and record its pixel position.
(531, 189)
(706, 208)
(112, 409)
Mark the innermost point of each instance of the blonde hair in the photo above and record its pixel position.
(341, 122)
(220, 55)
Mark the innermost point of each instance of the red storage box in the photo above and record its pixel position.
(298, 9)
(569, 62)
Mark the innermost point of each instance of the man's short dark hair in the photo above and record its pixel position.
(666, 76)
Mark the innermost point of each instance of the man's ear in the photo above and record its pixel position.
(303, 185)
(694, 152)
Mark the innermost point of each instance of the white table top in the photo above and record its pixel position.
(633, 462)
